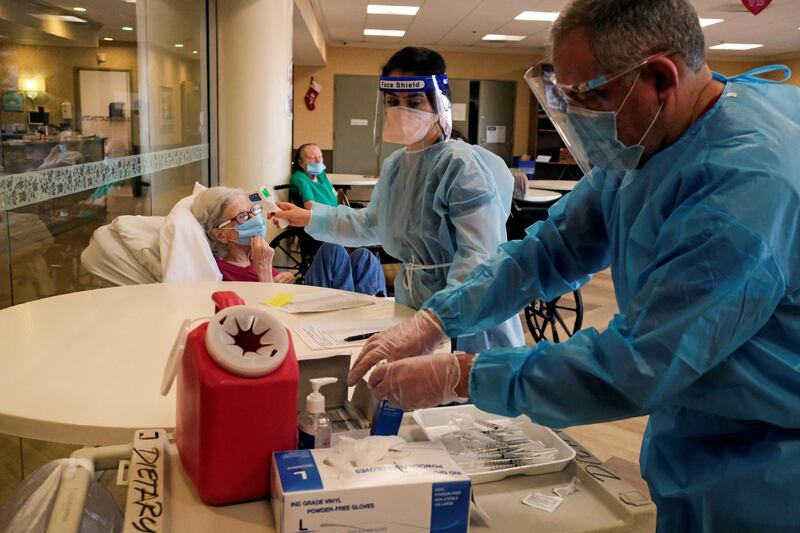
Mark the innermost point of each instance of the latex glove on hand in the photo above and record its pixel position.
(419, 335)
(296, 216)
(418, 382)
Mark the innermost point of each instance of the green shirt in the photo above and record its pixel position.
(320, 190)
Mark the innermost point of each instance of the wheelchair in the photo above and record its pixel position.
(560, 318)
(294, 248)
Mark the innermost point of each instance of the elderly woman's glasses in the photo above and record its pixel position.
(244, 216)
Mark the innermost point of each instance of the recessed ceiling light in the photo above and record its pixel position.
(496, 37)
(65, 18)
(178, 45)
(735, 46)
(377, 9)
(548, 16)
(385, 33)
(108, 38)
(129, 1)
(194, 51)
(127, 28)
(709, 22)
(79, 9)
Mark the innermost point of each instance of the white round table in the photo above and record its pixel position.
(351, 180)
(540, 196)
(86, 367)
(553, 185)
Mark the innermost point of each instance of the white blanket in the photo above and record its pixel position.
(136, 249)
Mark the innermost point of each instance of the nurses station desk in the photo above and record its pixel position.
(85, 368)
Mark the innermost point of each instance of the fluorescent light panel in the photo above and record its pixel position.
(108, 38)
(384, 33)
(377, 9)
(710, 22)
(65, 18)
(735, 46)
(178, 45)
(547, 16)
(496, 37)
(127, 28)
(79, 9)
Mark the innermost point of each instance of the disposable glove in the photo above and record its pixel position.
(417, 382)
(419, 335)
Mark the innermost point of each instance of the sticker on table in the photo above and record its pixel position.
(279, 300)
(359, 122)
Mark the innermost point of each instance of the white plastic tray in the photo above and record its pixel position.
(435, 422)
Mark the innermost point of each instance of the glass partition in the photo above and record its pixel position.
(104, 113)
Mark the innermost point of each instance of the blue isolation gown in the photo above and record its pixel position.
(704, 247)
(440, 212)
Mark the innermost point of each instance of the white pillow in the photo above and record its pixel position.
(185, 253)
(140, 235)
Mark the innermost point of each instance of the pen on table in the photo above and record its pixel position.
(363, 336)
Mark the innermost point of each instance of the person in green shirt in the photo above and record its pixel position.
(309, 177)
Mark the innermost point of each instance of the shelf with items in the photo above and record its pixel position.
(544, 140)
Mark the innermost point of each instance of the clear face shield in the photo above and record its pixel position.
(409, 107)
(590, 135)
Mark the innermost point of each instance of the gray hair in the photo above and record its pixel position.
(622, 32)
(207, 208)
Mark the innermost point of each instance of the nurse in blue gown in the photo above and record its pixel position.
(440, 206)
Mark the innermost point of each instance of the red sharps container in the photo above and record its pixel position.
(237, 401)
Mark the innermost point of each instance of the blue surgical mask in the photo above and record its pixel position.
(594, 135)
(312, 167)
(253, 227)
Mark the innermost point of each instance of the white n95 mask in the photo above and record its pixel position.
(406, 126)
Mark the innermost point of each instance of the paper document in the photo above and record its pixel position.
(331, 333)
(318, 302)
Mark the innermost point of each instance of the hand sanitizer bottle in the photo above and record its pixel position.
(314, 428)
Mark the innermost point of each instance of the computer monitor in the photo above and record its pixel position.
(38, 118)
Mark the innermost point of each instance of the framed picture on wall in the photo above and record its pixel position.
(13, 101)
(165, 106)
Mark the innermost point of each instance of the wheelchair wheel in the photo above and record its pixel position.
(556, 320)
(290, 254)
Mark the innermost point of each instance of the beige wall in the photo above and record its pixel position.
(57, 65)
(317, 126)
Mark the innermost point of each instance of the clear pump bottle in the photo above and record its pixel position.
(314, 428)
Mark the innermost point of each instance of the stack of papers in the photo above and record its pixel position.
(331, 333)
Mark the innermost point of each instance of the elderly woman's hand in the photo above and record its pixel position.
(261, 255)
(296, 216)
(283, 277)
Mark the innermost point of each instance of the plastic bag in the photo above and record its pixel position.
(29, 507)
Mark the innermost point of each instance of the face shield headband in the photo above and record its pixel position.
(401, 117)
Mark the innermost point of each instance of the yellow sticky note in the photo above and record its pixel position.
(280, 299)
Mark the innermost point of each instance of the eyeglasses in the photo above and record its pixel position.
(244, 216)
(577, 92)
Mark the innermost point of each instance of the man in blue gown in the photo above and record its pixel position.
(692, 198)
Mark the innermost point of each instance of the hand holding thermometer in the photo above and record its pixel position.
(263, 196)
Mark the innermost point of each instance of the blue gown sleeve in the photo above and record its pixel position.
(473, 204)
(345, 225)
(711, 287)
(557, 256)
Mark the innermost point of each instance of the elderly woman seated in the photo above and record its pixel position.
(236, 230)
